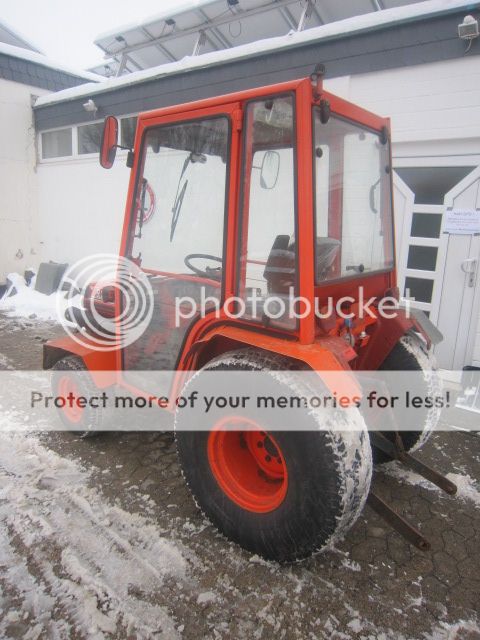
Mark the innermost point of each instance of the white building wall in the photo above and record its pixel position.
(18, 181)
(81, 207)
(437, 101)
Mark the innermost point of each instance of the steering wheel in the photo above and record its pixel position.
(208, 272)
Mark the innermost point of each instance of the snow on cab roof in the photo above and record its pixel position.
(39, 58)
(333, 30)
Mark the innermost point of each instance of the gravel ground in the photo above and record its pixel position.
(372, 586)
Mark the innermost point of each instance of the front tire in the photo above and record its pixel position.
(280, 494)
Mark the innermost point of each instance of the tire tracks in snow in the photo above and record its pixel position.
(89, 565)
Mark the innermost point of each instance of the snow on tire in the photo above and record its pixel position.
(410, 354)
(280, 494)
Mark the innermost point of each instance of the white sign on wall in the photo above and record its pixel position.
(462, 221)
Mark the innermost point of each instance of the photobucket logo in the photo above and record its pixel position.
(288, 307)
(108, 302)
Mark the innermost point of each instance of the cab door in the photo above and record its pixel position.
(177, 229)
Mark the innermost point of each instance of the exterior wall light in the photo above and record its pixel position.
(90, 106)
(468, 30)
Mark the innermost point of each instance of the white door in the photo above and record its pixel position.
(417, 240)
(433, 265)
(403, 201)
(458, 298)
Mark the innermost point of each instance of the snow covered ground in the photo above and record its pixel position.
(100, 539)
(77, 564)
(71, 561)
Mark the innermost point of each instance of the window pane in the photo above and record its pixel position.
(90, 137)
(426, 225)
(419, 288)
(179, 234)
(424, 258)
(268, 250)
(57, 144)
(430, 184)
(184, 202)
(352, 199)
(128, 127)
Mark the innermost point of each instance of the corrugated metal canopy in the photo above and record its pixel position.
(202, 26)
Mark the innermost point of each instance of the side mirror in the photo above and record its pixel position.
(269, 170)
(108, 147)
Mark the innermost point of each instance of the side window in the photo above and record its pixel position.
(354, 224)
(128, 127)
(89, 137)
(268, 252)
(57, 144)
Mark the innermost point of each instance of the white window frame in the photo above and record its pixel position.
(55, 159)
(75, 156)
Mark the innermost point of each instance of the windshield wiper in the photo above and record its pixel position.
(176, 209)
(372, 195)
(359, 268)
(179, 195)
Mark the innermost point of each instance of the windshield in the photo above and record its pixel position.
(180, 201)
(353, 204)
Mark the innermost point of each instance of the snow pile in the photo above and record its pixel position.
(23, 301)
(73, 563)
(466, 487)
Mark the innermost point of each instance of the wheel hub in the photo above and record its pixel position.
(248, 465)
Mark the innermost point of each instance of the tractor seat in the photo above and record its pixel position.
(280, 268)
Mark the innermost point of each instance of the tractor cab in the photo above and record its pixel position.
(253, 210)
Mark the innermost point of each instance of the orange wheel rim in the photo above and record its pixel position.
(72, 411)
(248, 464)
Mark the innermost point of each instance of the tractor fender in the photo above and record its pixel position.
(386, 334)
(326, 356)
(101, 364)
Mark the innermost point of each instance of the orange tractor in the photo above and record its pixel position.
(269, 193)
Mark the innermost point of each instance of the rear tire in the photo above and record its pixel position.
(302, 495)
(71, 375)
(410, 355)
